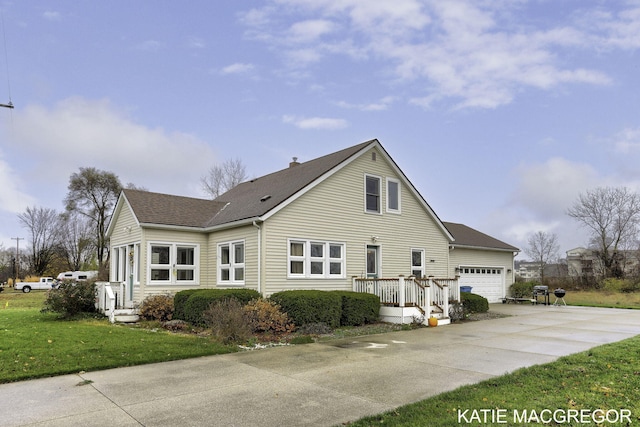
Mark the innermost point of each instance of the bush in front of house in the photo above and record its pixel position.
(310, 306)
(179, 302)
(265, 317)
(474, 303)
(157, 307)
(227, 321)
(199, 301)
(70, 299)
(358, 308)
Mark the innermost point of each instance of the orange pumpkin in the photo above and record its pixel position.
(433, 321)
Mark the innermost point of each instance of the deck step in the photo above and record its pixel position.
(126, 315)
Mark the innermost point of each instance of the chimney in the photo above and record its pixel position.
(294, 162)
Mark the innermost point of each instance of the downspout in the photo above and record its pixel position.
(255, 224)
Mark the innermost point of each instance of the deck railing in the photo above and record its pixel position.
(428, 294)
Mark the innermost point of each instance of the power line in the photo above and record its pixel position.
(6, 59)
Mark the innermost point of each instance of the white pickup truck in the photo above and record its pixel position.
(43, 283)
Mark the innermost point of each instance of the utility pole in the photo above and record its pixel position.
(17, 271)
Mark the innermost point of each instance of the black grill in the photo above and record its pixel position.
(541, 291)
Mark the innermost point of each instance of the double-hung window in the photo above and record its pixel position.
(372, 193)
(231, 263)
(315, 259)
(173, 263)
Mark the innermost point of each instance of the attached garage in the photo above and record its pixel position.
(486, 281)
(481, 261)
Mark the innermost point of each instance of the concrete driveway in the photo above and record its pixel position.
(322, 384)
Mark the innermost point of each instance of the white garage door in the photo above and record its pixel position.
(485, 281)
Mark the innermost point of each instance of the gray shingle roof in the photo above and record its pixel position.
(249, 199)
(165, 209)
(467, 236)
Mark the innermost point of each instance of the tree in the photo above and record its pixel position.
(224, 177)
(612, 215)
(76, 240)
(43, 227)
(543, 249)
(94, 193)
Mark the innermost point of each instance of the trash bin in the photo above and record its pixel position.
(465, 289)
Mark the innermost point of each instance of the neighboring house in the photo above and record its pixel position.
(482, 262)
(313, 225)
(585, 263)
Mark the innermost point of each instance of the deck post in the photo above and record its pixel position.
(401, 291)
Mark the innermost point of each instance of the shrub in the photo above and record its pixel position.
(358, 308)
(179, 301)
(199, 301)
(474, 303)
(157, 307)
(619, 285)
(310, 306)
(264, 316)
(315, 329)
(522, 289)
(227, 321)
(70, 299)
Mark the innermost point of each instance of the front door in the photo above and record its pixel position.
(373, 262)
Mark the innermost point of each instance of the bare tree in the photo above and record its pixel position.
(612, 215)
(43, 227)
(224, 177)
(76, 240)
(94, 193)
(543, 249)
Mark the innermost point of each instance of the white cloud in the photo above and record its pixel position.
(323, 123)
(237, 68)
(627, 141)
(380, 105)
(12, 198)
(49, 144)
(50, 15)
(474, 53)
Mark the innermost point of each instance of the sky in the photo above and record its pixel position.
(501, 113)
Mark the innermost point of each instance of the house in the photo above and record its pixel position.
(586, 263)
(322, 224)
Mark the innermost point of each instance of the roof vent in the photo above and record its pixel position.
(294, 162)
(265, 198)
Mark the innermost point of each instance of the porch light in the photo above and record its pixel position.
(374, 239)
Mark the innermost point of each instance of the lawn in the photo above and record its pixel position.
(605, 378)
(35, 345)
(602, 299)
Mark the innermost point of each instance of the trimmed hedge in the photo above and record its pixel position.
(358, 308)
(191, 308)
(179, 301)
(333, 308)
(474, 303)
(310, 306)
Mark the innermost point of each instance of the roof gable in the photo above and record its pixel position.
(468, 237)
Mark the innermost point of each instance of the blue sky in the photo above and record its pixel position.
(500, 112)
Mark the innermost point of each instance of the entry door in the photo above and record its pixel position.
(373, 262)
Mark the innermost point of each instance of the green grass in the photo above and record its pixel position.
(34, 345)
(606, 378)
(602, 298)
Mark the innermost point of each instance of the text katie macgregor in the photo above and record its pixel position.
(544, 416)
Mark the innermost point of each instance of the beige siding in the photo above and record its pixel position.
(248, 234)
(335, 211)
(125, 229)
(151, 235)
(485, 258)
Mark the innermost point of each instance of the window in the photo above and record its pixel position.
(173, 263)
(313, 259)
(393, 195)
(372, 194)
(231, 263)
(417, 262)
